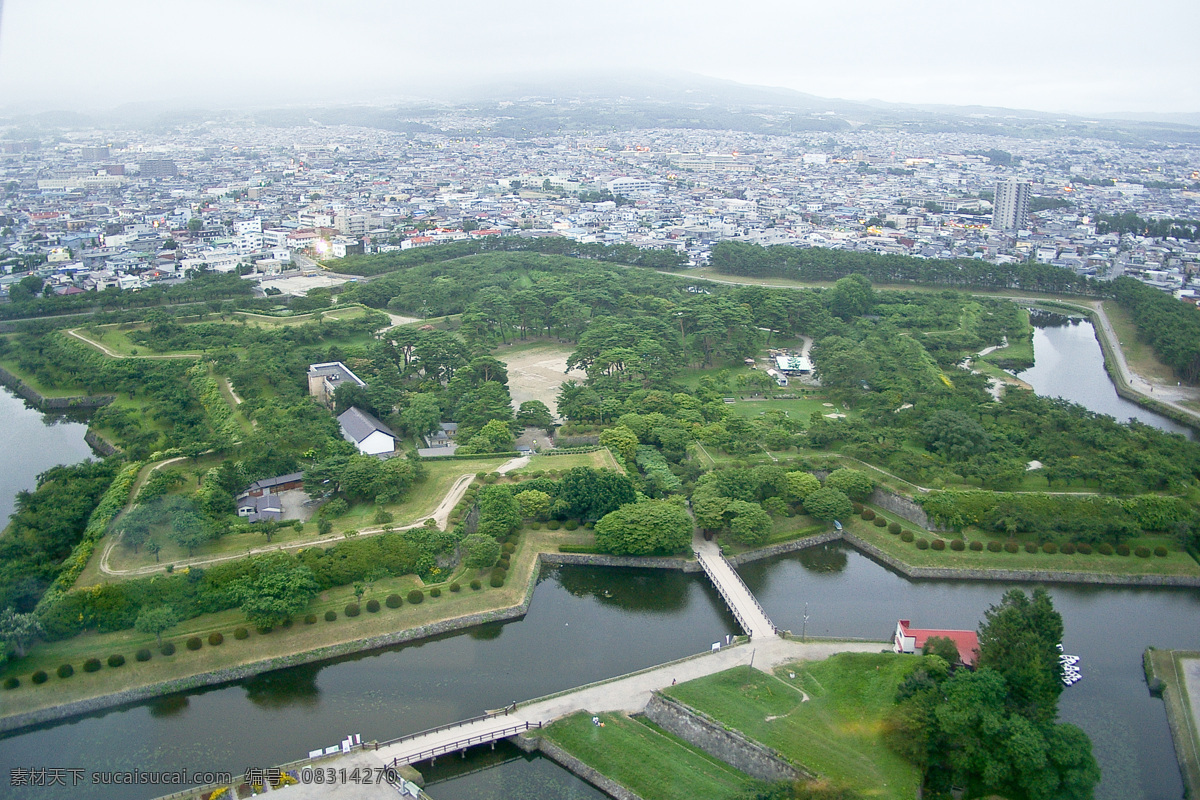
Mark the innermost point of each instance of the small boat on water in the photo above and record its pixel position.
(1070, 667)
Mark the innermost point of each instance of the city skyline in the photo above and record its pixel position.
(62, 54)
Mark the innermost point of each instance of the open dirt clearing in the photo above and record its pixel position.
(535, 373)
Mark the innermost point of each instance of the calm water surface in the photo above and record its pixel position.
(30, 443)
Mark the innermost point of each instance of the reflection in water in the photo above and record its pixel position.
(655, 590)
(824, 558)
(1048, 319)
(296, 686)
(487, 631)
(505, 774)
(169, 706)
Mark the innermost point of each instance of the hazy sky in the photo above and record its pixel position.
(1052, 55)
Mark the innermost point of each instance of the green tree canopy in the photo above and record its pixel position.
(647, 527)
(750, 525)
(801, 484)
(156, 620)
(828, 504)
(480, 551)
(17, 633)
(853, 483)
(279, 589)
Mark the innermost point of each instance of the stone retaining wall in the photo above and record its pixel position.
(902, 507)
(600, 560)
(27, 392)
(785, 547)
(731, 746)
(1022, 575)
(539, 744)
(100, 444)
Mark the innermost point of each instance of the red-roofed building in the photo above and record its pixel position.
(911, 640)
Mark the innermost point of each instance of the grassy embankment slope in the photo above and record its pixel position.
(828, 719)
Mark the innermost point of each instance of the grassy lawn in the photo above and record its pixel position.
(1138, 354)
(650, 762)
(799, 409)
(283, 642)
(1176, 562)
(783, 529)
(835, 732)
(597, 459)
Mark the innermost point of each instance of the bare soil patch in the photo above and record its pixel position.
(536, 372)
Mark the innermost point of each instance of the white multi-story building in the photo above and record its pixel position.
(1010, 210)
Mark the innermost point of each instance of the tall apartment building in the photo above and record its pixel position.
(158, 168)
(1010, 209)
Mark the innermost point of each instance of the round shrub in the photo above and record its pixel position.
(263, 630)
(455, 586)
(476, 585)
(330, 615)
(1031, 547)
(1142, 551)
(994, 547)
(194, 643)
(491, 478)
(39, 677)
(894, 528)
(922, 544)
(1011, 547)
(504, 562)
(868, 514)
(1123, 550)
(858, 508)
(1105, 549)
(65, 670)
(938, 544)
(287, 623)
(976, 546)
(143, 654)
(216, 638)
(310, 619)
(167, 649)
(93, 664)
(880, 522)
(1083, 549)
(553, 525)
(1049, 548)
(352, 610)
(372, 605)
(497, 579)
(1160, 551)
(1067, 549)
(11, 683)
(508, 548)
(481, 475)
(535, 526)
(571, 524)
(394, 601)
(435, 592)
(958, 545)
(416, 597)
(116, 660)
(907, 536)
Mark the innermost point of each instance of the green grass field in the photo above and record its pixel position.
(597, 459)
(1138, 354)
(835, 732)
(798, 409)
(646, 760)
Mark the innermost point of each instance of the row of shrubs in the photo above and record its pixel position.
(216, 638)
(554, 524)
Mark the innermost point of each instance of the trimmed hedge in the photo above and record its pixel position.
(508, 548)
(994, 546)
(352, 610)
(330, 615)
(216, 638)
(393, 601)
(435, 592)
(1031, 547)
(241, 633)
(476, 585)
(907, 536)
(1105, 549)
(39, 677)
(1049, 548)
(1160, 551)
(1068, 549)
(868, 514)
(976, 546)
(938, 544)
(880, 522)
(116, 660)
(373, 605)
(1012, 547)
(857, 508)
(894, 528)
(455, 586)
(1084, 549)
(958, 545)
(11, 683)
(571, 524)
(143, 655)
(1123, 550)
(553, 525)
(310, 619)
(1142, 551)
(93, 664)
(168, 649)
(194, 643)
(922, 544)
(416, 597)
(65, 670)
